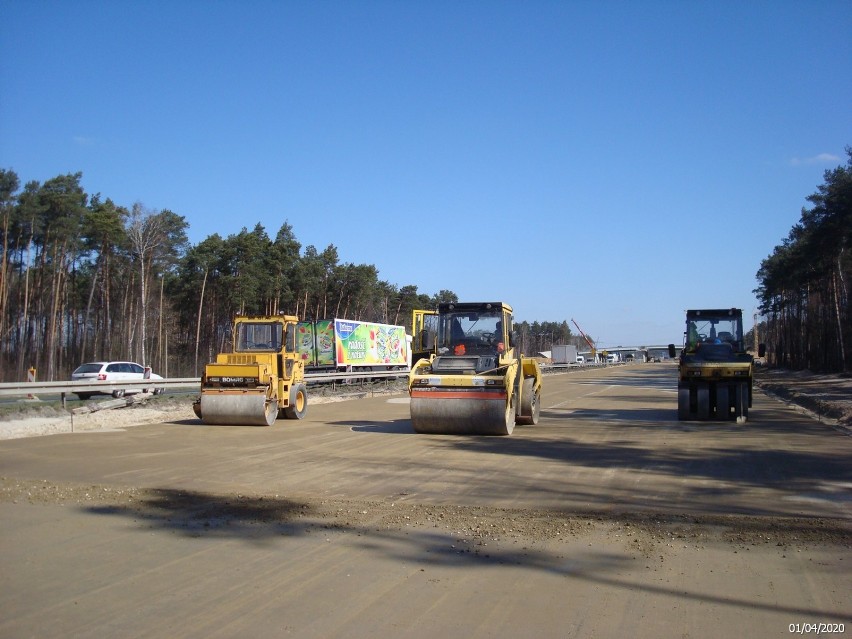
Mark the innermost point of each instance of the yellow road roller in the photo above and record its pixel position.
(475, 382)
(261, 380)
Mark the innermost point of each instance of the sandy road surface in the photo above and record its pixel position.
(608, 519)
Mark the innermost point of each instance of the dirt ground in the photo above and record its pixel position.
(826, 397)
(474, 526)
(658, 528)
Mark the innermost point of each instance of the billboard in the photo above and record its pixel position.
(336, 343)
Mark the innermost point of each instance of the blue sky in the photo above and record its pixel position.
(612, 162)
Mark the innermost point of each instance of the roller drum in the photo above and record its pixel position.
(238, 408)
(473, 414)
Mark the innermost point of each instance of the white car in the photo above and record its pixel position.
(111, 372)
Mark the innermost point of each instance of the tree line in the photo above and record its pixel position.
(85, 279)
(804, 285)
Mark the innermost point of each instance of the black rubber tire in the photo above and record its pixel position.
(683, 412)
(704, 407)
(723, 402)
(530, 403)
(741, 402)
(298, 402)
(83, 396)
(118, 393)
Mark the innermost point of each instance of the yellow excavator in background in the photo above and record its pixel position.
(261, 380)
(475, 381)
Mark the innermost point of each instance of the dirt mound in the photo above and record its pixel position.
(827, 397)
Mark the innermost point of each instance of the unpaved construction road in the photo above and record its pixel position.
(608, 519)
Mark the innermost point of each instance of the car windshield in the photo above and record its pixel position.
(258, 336)
(721, 328)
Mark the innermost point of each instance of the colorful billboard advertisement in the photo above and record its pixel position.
(315, 342)
(337, 343)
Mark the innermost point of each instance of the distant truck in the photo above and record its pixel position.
(564, 354)
(340, 345)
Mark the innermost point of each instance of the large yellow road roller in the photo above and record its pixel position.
(261, 380)
(475, 382)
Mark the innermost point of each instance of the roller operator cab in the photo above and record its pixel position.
(715, 373)
(475, 381)
(261, 380)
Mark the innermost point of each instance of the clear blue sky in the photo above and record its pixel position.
(613, 162)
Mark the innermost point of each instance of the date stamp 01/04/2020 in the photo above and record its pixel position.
(817, 628)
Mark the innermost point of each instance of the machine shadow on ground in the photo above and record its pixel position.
(393, 427)
(787, 469)
(271, 520)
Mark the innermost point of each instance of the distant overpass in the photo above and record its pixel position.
(654, 352)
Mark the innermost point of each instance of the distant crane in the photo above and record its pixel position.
(588, 341)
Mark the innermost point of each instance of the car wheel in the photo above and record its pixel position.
(83, 396)
(118, 393)
(159, 391)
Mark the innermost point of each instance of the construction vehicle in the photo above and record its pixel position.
(476, 381)
(340, 345)
(592, 348)
(261, 380)
(715, 373)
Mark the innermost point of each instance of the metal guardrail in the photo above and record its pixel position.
(23, 389)
(552, 368)
(20, 389)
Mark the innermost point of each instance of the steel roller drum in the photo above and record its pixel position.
(461, 413)
(238, 408)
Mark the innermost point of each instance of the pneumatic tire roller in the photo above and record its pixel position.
(715, 372)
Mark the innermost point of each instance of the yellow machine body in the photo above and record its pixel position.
(715, 372)
(475, 381)
(261, 380)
